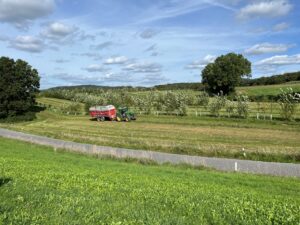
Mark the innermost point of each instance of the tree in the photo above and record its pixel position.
(226, 73)
(19, 84)
(288, 101)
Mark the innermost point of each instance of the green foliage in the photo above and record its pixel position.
(226, 73)
(268, 92)
(288, 102)
(19, 84)
(146, 102)
(230, 107)
(179, 86)
(217, 104)
(42, 186)
(203, 99)
(276, 79)
(242, 106)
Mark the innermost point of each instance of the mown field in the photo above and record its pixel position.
(42, 186)
(206, 136)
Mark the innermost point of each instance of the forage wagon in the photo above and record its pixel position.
(109, 112)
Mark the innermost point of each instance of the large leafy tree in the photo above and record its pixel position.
(226, 73)
(19, 84)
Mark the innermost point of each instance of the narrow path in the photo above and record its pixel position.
(246, 166)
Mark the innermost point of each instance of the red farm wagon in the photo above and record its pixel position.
(103, 112)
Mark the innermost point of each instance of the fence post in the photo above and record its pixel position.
(257, 116)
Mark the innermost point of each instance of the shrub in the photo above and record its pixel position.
(217, 104)
(288, 103)
(230, 106)
(203, 99)
(242, 106)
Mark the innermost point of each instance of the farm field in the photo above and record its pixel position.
(77, 189)
(204, 136)
(271, 90)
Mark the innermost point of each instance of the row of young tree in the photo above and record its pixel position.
(19, 85)
(174, 102)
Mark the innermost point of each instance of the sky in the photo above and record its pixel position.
(147, 42)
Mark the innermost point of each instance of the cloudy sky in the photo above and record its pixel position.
(147, 42)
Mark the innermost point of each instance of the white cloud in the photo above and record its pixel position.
(116, 60)
(149, 33)
(106, 78)
(143, 67)
(280, 60)
(270, 9)
(102, 46)
(173, 8)
(60, 61)
(200, 64)
(58, 31)
(94, 56)
(152, 79)
(151, 48)
(21, 12)
(96, 68)
(267, 48)
(281, 27)
(28, 44)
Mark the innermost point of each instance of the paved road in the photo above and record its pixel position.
(247, 166)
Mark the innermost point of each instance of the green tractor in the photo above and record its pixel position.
(124, 114)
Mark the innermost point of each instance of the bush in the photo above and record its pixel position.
(242, 106)
(217, 104)
(28, 116)
(230, 106)
(203, 99)
(288, 103)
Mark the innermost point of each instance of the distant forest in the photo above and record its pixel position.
(276, 79)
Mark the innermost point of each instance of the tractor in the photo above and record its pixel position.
(124, 114)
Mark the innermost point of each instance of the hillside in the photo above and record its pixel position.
(76, 189)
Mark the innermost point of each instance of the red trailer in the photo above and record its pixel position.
(103, 112)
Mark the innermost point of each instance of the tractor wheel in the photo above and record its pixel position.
(118, 119)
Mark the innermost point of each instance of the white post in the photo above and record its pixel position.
(271, 117)
(235, 166)
(257, 116)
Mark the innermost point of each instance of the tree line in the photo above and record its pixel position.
(276, 79)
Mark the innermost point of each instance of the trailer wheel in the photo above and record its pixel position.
(101, 119)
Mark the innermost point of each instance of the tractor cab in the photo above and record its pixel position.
(125, 115)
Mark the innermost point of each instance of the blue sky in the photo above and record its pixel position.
(143, 42)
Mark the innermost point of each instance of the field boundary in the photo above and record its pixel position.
(222, 164)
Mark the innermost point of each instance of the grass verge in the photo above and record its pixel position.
(40, 186)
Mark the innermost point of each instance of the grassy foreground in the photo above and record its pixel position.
(221, 137)
(40, 186)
